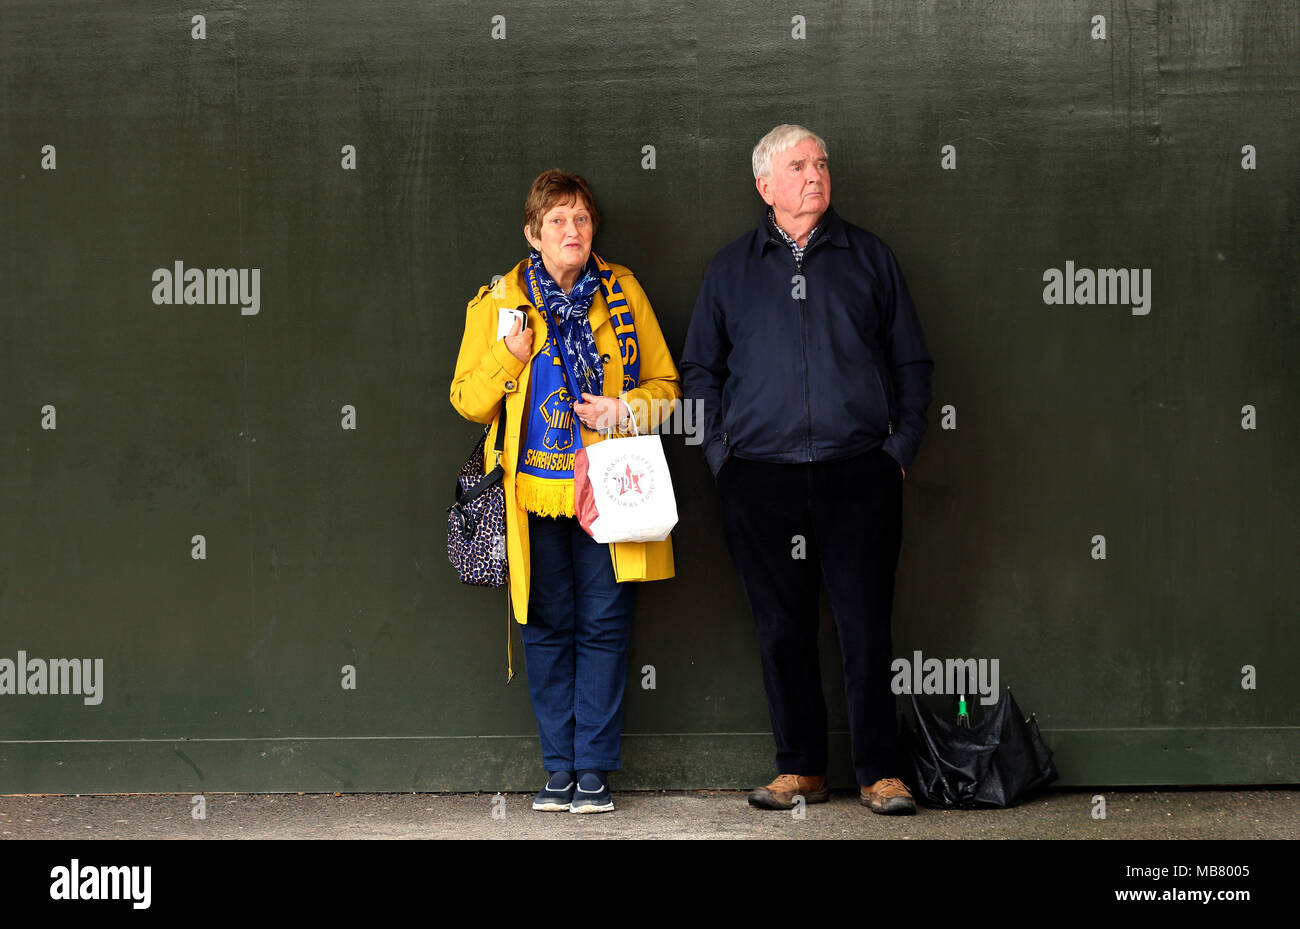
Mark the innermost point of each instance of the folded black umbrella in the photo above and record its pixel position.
(994, 763)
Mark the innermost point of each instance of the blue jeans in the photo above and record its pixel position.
(575, 646)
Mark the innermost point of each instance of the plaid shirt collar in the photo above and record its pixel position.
(794, 246)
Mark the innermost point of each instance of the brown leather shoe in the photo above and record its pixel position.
(888, 796)
(780, 794)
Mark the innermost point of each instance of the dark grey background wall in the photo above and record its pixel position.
(324, 546)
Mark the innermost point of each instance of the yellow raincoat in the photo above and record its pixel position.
(486, 371)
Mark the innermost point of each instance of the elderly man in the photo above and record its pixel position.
(807, 354)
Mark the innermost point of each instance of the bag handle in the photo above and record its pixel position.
(608, 431)
(636, 429)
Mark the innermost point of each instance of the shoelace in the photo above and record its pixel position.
(790, 781)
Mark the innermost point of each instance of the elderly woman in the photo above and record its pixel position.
(590, 358)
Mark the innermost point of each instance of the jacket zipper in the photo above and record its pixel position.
(803, 345)
(884, 395)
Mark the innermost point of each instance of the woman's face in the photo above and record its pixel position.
(565, 240)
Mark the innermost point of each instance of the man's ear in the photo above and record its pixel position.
(764, 189)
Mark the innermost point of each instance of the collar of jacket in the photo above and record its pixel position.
(832, 231)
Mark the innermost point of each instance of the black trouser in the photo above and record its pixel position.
(849, 515)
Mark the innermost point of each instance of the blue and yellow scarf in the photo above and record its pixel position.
(544, 476)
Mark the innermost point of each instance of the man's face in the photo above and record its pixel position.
(799, 186)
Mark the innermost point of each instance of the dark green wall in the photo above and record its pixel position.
(325, 547)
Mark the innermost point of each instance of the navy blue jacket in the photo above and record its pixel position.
(826, 371)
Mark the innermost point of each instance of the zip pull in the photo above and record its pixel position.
(890, 424)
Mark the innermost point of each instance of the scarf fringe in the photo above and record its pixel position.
(544, 496)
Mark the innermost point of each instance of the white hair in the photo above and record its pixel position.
(778, 140)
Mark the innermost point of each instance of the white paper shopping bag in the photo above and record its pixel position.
(623, 492)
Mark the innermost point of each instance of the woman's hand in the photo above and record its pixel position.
(600, 412)
(520, 342)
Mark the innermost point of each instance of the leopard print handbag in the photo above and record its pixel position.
(476, 522)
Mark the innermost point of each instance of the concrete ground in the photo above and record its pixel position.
(1177, 814)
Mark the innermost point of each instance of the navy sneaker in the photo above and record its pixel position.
(592, 795)
(556, 796)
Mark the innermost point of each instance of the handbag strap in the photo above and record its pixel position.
(494, 476)
(499, 445)
(510, 640)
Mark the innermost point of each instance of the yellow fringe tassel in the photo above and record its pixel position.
(544, 496)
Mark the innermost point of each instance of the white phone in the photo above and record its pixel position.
(506, 321)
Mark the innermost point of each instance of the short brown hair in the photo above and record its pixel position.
(554, 187)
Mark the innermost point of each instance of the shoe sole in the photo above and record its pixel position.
(764, 800)
(592, 808)
(550, 807)
(891, 808)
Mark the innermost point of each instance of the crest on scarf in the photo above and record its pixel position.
(557, 412)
